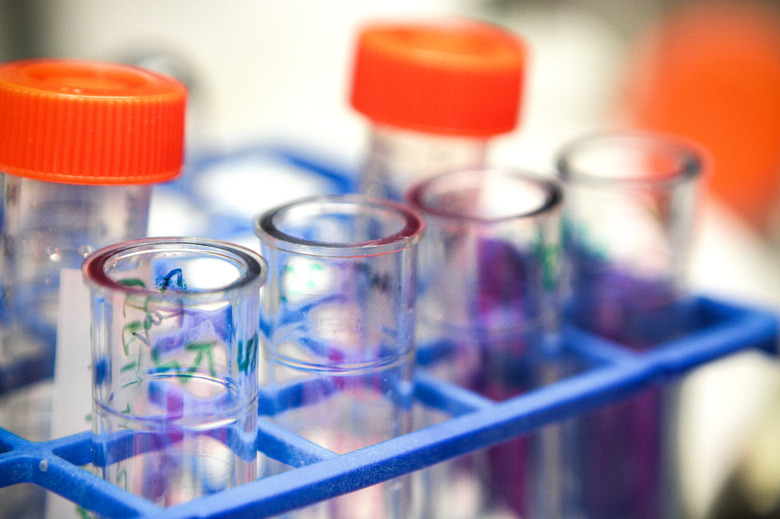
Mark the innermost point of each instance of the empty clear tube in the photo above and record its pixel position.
(339, 310)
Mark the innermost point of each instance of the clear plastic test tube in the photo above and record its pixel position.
(435, 93)
(339, 310)
(175, 341)
(487, 318)
(630, 212)
(81, 143)
(631, 204)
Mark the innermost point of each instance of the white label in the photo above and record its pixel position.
(72, 399)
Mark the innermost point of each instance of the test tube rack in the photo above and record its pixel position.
(614, 372)
(475, 422)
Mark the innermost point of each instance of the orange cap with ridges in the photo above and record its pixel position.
(90, 122)
(454, 77)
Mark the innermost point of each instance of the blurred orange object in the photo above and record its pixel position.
(711, 72)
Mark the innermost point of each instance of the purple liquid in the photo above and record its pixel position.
(615, 452)
(509, 298)
(635, 312)
(620, 457)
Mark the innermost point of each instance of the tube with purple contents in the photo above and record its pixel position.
(631, 199)
(488, 280)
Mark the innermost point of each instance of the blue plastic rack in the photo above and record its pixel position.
(475, 423)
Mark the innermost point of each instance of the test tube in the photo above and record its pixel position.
(631, 200)
(487, 321)
(629, 220)
(339, 310)
(175, 340)
(81, 143)
(435, 93)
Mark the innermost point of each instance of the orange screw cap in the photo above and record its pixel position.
(455, 77)
(88, 122)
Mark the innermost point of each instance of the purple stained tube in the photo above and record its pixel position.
(488, 281)
(629, 216)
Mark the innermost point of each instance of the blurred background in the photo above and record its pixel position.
(262, 72)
